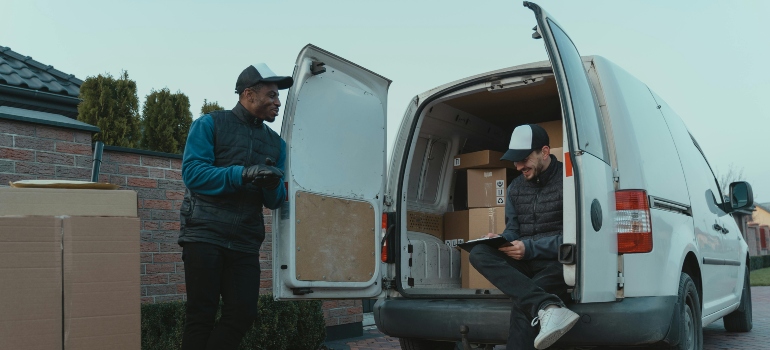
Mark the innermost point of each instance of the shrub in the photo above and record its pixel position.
(162, 325)
(112, 105)
(282, 325)
(759, 262)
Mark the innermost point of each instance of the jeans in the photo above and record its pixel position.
(211, 271)
(531, 284)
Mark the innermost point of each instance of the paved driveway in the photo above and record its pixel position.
(714, 336)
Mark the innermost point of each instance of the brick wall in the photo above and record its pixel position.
(339, 312)
(32, 151)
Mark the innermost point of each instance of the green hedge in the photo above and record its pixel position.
(281, 325)
(759, 262)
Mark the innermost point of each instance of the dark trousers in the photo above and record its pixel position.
(531, 284)
(211, 271)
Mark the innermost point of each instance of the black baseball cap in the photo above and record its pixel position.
(260, 73)
(525, 139)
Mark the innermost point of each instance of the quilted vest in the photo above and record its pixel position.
(538, 203)
(232, 220)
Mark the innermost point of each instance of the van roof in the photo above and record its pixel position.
(492, 74)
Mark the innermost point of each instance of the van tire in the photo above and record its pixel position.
(422, 344)
(690, 327)
(740, 319)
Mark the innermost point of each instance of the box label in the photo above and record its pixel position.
(457, 161)
(500, 200)
(500, 192)
(487, 174)
(500, 183)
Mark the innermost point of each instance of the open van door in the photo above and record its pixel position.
(588, 175)
(327, 233)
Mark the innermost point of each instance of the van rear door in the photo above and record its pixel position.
(588, 175)
(327, 233)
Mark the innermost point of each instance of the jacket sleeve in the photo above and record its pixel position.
(543, 248)
(198, 171)
(511, 232)
(273, 198)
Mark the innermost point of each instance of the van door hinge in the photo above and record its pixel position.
(616, 175)
(536, 34)
(388, 283)
(621, 280)
(388, 200)
(301, 291)
(317, 67)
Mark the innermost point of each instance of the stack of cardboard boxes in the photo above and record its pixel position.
(487, 181)
(69, 262)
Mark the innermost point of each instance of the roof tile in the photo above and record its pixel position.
(23, 71)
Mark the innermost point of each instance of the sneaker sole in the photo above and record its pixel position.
(553, 337)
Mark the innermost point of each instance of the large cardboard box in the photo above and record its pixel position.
(481, 159)
(553, 129)
(470, 224)
(30, 283)
(487, 187)
(90, 284)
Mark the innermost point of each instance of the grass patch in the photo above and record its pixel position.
(760, 277)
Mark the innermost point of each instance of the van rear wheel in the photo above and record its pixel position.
(690, 326)
(740, 319)
(422, 344)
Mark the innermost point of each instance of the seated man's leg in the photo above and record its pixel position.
(554, 318)
(512, 277)
(521, 334)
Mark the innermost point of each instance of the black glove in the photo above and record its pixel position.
(261, 175)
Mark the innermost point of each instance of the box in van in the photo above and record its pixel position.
(481, 159)
(651, 253)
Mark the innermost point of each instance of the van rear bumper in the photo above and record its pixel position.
(632, 321)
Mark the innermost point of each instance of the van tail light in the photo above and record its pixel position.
(384, 253)
(632, 219)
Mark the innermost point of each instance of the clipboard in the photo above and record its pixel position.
(496, 242)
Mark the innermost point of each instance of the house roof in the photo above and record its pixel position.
(24, 72)
(38, 117)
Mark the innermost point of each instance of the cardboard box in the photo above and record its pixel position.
(487, 187)
(470, 224)
(431, 224)
(58, 201)
(88, 279)
(559, 153)
(31, 288)
(481, 159)
(553, 129)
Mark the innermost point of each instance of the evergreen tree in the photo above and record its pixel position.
(210, 107)
(113, 106)
(166, 119)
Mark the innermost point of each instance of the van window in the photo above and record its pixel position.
(427, 170)
(591, 138)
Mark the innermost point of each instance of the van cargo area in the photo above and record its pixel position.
(456, 184)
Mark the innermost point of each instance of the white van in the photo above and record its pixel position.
(651, 252)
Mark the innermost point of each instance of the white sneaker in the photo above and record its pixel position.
(554, 322)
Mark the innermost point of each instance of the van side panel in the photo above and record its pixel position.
(647, 159)
(720, 281)
(657, 273)
(646, 155)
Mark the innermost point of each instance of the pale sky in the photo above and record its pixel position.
(707, 59)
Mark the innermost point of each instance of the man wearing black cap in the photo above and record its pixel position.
(232, 166)
(526, 269)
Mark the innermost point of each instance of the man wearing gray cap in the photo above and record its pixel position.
(526, 269)
(232, 166)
